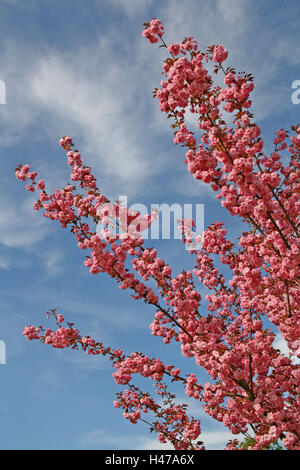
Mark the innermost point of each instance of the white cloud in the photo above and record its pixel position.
(20, 226)
(97, 92)
(132, 8)
(186, 184)
(118, 317)
(210, 22)
(216, 440)
(97, 107)
(51, 261)
(4, 263)
(282, 345)
(99, 438)
(93, 94)
(18, 114)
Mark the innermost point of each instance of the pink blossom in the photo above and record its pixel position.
(220, 54)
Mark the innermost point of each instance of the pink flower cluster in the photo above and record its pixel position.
(220, 54)
(153, 30)
(60, 338)
(253, 385)
(172, 422)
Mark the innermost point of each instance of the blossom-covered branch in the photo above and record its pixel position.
(254, 388)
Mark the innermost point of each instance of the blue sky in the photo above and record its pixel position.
(82, 68)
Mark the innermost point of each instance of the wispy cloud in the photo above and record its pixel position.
(20, 226)
(100, 101)
(100, 438)
(85, 94)
(282, 345)
(132, 8)
(99, 107)
(4, 263)
(51, 261)
(184, 183)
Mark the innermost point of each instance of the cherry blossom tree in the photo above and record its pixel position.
(254, 388)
